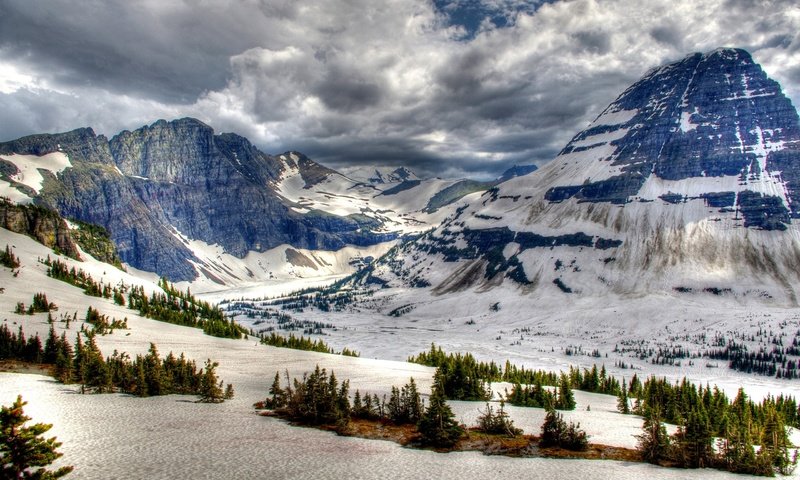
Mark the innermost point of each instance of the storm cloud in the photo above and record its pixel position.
(449, 88)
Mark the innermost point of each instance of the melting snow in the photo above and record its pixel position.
(616, 117)
(28, 167)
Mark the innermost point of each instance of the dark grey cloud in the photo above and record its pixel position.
(344, 91)
(431, 85)
(667, 35)
(172, 52)
(594, 42)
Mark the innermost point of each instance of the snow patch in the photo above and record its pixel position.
(28, 167)
(615, 117)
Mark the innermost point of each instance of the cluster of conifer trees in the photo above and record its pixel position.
(558, 433)
(301, 343)
(8, 259)
(466, 379)
(707, 418)
(537, 395)
(38, 305)
(319, 399)
(172, 306)
(182, 308)
(772, 363)
(77, 277)
(16, 346)
(145, 375)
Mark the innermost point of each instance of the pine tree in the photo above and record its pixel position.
(358, 406)
(566, 400)
(622, 400)
(23, 453)
(553, 430)
(654, 441)
(278, 395)
(154, 375)
(775, 443)
(210, 391)
(437, 426)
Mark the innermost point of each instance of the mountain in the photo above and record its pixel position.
(516, 171)
(687, 184)
(184, 202)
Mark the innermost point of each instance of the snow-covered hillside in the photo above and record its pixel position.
(116, 435)
(395, 199)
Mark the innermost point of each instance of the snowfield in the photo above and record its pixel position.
(118, 436)
(121, 436)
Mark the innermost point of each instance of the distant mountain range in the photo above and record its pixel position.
(688, 184)
(188, 204)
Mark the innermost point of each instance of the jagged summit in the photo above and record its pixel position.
(709, 115)
(187, 203)
(688, 181)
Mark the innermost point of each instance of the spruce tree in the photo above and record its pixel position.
(566, 400)
(278, 395)
(622, 400)
(23, 452)
(654, 441)
(210, 391)
(438, 427)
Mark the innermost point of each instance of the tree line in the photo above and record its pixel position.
(302, 343)
(465, 378)
(172, 306)
(144, 375)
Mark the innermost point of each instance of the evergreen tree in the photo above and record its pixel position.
(23, 453)
(154, 375)
(210, 390)
(438, 427)
(566, 400)
(693, 443)
(775, 443)
(553, 429)
(497, 423)
(654, 441)
(557, 433)
(278, 395)
(622, 400)
(63, 369)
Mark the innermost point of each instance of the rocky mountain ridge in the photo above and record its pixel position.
(175, 195)
(686, 184)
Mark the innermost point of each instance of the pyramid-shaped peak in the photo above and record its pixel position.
(707, 115)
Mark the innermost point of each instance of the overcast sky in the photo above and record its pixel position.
(451, 88)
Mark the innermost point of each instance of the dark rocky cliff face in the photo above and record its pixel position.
(45, 226)
(709, 115)
(147, 185)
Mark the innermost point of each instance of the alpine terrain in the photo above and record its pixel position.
(183, 202)
(687, 184)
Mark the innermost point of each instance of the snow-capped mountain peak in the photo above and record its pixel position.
(688, 182)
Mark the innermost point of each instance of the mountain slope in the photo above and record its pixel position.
(192, 205)
(687, 183)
